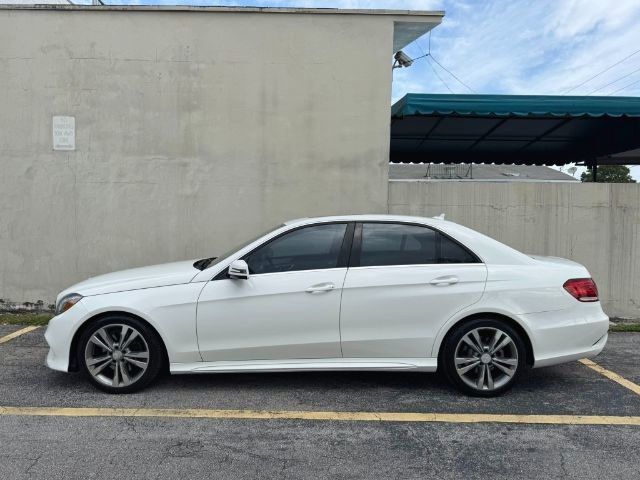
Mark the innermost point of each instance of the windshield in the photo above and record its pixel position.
(210, 262)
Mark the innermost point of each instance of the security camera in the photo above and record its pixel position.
(403, 59)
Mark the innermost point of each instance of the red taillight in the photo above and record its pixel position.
(582, 289)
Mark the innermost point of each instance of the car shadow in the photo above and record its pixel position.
(306, 380)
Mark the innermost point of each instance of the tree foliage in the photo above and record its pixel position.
(609, 174)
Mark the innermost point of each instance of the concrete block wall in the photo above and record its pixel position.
(195, 129)
(597, 225)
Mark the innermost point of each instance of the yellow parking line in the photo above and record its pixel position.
(634, 387)
(17, 333)
(305, 415)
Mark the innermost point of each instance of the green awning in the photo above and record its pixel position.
(520, 129)
(516, 105)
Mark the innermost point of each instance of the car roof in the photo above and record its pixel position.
(364, 218)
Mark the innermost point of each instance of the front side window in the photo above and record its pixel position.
(309, 248)
(384, 244)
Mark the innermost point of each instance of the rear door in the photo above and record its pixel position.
(404, 282)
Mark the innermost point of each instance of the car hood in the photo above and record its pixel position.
(136, 278)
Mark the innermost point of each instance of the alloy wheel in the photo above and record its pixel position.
(486, 358)
(117, 355)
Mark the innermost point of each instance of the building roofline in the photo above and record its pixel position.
(227, 9)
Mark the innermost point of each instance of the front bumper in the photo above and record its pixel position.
(59, 335)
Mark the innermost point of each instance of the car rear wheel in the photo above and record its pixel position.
(120, 354)
(483, 357)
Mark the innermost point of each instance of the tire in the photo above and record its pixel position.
(481, 369)
(113, 369)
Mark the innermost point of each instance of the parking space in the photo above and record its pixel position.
(7, 329)
(624, 359)
(161, 446)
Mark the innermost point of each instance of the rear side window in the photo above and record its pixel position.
(397, 244)
(385, 244)
(453, 252)
(310, 248)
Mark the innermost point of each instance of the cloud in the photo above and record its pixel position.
(535, 47)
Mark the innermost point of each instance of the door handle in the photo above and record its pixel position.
(320, 288)
(443, 281)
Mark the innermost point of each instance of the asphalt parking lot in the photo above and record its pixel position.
(54, 439)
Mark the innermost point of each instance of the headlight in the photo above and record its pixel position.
(67, 302)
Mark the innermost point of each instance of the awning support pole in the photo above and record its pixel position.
(594, 171)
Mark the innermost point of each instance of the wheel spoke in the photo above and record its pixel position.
(116, 376)
(480, 381)
(137, 363)
(471, 366)
(105, 337)
(462, 360)
(136, 355)
(508, 361)
(466, 339)
(126, 380)
(123, 334)
(489, 378)
(100, 343)
(131, 338)
(96, 360)
(495, 340)
(504, 369)
(96, 370)
(505, 341)
(476, 338)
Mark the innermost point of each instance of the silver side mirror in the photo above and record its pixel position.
(239, 270)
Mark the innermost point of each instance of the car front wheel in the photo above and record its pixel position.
(120, 354)
(483, 357)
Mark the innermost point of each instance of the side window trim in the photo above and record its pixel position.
(357, 244)
(345, 252)
(354, 259)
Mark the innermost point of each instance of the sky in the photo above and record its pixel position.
(508, 46)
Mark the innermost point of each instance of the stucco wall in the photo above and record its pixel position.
(194, 130)
(597, 225)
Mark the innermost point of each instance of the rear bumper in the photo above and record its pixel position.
(567, 335)
(573, 355)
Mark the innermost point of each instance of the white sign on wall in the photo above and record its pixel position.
(64, 133)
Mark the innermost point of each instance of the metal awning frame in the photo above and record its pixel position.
(508, 129)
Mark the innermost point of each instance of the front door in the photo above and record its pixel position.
(289, 308)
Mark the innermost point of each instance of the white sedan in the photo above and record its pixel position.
(363, 292)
